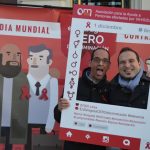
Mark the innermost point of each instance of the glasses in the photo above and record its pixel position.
(98, 60)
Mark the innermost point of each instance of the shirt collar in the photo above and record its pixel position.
(43, 82)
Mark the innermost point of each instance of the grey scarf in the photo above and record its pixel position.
(131, 84)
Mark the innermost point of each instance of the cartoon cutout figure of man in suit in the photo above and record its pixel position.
(13, 109)
(43, 88)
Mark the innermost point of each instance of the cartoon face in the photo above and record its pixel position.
(39, 60)
(10, 60)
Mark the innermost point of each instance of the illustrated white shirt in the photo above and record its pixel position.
(42, 111)
(7, 102)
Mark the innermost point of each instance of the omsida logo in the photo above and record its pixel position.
(84, 12)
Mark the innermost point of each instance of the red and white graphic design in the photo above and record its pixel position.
(100, 139)
(101, 124)
(93, 40)
(26, 27)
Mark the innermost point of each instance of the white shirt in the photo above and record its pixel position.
(7, 102)
(43, 82)
(40, 111)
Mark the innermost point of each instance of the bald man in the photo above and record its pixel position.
(13, 109)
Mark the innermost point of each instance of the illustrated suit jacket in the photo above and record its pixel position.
(19, 109)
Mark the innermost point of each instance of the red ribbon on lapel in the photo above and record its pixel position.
(25, 92)
(44, 94)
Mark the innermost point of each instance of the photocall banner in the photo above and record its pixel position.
(22, 28)
(103, 124)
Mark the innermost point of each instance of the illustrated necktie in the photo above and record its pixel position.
(37, 88)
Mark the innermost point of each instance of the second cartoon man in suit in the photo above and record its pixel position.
(43, 89)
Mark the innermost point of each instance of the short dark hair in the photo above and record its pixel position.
(128, 49)
(39, 48)
(92, 55)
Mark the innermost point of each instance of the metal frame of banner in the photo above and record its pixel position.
(122, 3)
(57, 7)
(95, 2)
(78, 2)
(39, 6)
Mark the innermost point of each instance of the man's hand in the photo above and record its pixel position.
(63, 104)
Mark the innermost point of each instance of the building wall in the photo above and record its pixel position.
(62, 3)
(136, 4)
(146, 4)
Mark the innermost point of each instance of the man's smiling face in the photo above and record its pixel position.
(128, 65)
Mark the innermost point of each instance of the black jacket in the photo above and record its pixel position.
(87, 91)
(124, 97)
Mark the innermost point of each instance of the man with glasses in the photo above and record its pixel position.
(93, 87)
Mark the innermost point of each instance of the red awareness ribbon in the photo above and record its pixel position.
(25, 93)
(147, 145)
(88, 25)
(44, 95)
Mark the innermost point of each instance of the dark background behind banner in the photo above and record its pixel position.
(9, 1)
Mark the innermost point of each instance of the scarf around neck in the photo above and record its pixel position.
(131, 84)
